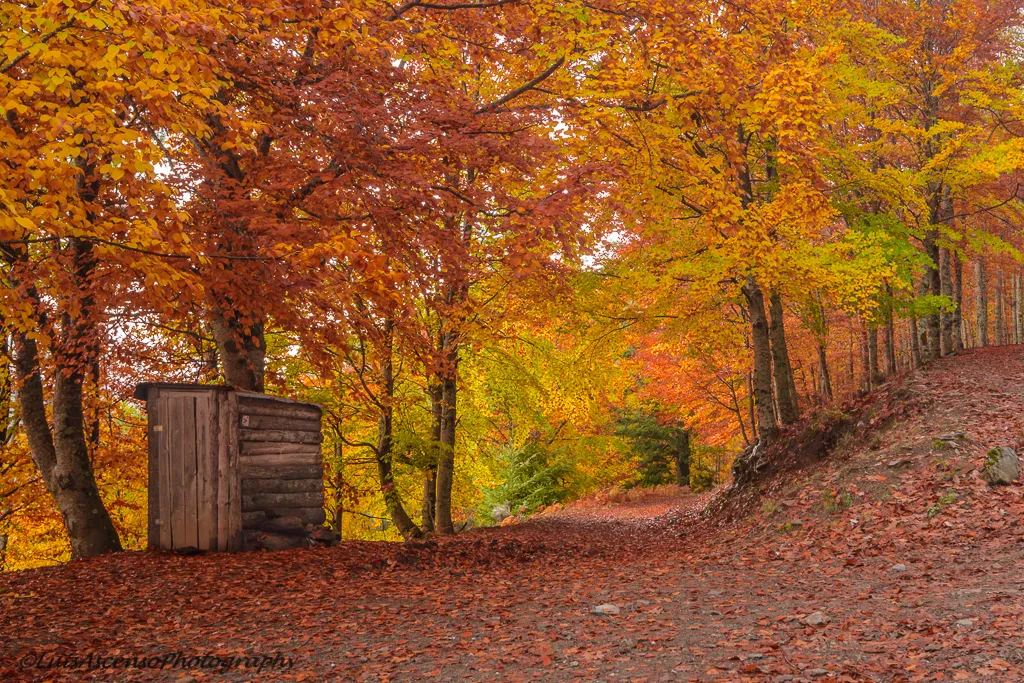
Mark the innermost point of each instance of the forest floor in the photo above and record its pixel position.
(908, 561)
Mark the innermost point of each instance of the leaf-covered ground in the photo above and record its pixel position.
(911, 561)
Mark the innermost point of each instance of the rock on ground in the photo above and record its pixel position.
(1001, 466)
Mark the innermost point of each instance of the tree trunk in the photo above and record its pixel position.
(946, 288)
(824, 380)
(874, 373)
(242, 348)
(385, 433)
(915, 344)
(865, 360)
(932, 286)
(1018, 308)
(981, 301)
(782, 369)
(682, 460)
(1013, 334)
(62, 456)
(851, 370)
(430, 475)
(762, 375)
(958, 303)
(1000, 312)
(446, 460)
(750, 405)
(890, 338)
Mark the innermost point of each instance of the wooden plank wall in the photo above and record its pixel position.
(153, 435)
(221, 461)
(281, 464)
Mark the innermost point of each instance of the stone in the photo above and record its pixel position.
(605, 609)
(898, 568)
(1001, 466)
(815, 619)
(965, 623)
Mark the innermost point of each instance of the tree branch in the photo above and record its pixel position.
(526, 87)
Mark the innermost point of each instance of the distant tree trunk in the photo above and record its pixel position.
(681, 456)
(824, 380)
(915, 344)
(958, 303)
(874, 373)
(62, 455)
(890, 337)
(940, 211)
(385, 436)
(446, 460)
(430, 476)
(850, 365)
(933, 286)
(865, 360)
(242, 348)
(785, 385)
(1000, 312)
(762, 375)
(946, 288)
(339, 511)
(1018, 307)
(1013, 333)
(981, 301)
(1018, 310)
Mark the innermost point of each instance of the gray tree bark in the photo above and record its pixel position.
(62, 455)
(782, 369)
(946, 288)
(981, 301)
(449, 421)
(958, 302)
(762, 375)
(385, 436)
(1000, 311)
(242, 349)
(824, 378)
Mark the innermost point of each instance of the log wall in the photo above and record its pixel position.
(223, 463)
(281, 464)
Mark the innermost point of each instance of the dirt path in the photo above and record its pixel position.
(911, 561)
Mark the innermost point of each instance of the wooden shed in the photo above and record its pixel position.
(222, 462)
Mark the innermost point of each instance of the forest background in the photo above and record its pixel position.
(520, 251)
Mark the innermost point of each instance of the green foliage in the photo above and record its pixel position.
(707, 464)
(662, 451)
(533, 476)
(833, 500)
(944, 501)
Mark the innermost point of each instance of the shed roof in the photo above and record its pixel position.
(142, 391)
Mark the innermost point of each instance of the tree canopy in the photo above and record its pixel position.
(518, 251)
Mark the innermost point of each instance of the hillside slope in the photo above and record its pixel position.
(887, 560)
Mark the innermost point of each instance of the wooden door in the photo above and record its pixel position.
(187, 469)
